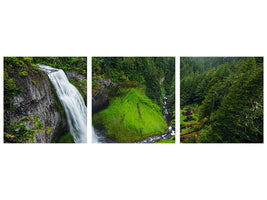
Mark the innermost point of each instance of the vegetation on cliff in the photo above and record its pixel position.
(16, 130)
(222, 99)
(23, 77)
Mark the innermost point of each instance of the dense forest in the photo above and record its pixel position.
(142, 82)
(78, 64)
(221, 99)
(33, 112)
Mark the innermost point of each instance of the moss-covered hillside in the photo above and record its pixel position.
(130, 116)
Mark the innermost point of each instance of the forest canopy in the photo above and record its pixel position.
(143, 70)
(225, 95)
(78, 64)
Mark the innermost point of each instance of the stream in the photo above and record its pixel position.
(168, 133)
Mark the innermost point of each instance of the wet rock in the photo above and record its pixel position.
(152, 139)
(74, 75)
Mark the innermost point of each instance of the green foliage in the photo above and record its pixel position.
(144, 70)
(193, 138)
(22, 130)
(27, 60)
(94, 83)
(231, 96)
(155, 74)
(83, 82)
(122, 121)
(24, 73)
(16, 131)
(10, 90)
(78, 64)
(48, 130)
(240, 116)
(67, 138)
(171, 140)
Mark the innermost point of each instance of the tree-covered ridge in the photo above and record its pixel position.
(157, 73)
(78, 64)
(228, 96)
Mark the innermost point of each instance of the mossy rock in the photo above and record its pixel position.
(130, 117)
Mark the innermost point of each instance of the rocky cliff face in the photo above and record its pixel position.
(106, 88)
(100, 94)
(38, 99)
(81, 80)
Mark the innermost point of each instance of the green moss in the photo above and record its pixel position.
(171, 140)
(27, 60)
(24, 73)
(66, 138)
(94, 83)
(83, 82)
(123, 122)
(34, 82)
(78, 64)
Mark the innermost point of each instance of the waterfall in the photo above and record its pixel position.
(72, 101)
(98, 137)
(95, 138)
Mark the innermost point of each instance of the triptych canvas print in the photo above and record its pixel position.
(133, 100)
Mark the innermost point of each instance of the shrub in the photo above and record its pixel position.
(94, 83)
(24, 73)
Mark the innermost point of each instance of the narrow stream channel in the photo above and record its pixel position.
(169, 132)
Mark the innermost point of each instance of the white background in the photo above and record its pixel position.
(132, 28)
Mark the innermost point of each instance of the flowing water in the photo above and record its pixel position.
(167, 116)
(72, 101)
(98, 137)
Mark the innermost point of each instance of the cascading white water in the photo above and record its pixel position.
(166, 113)
(72, 101)
(97, 137)
(94, 136)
